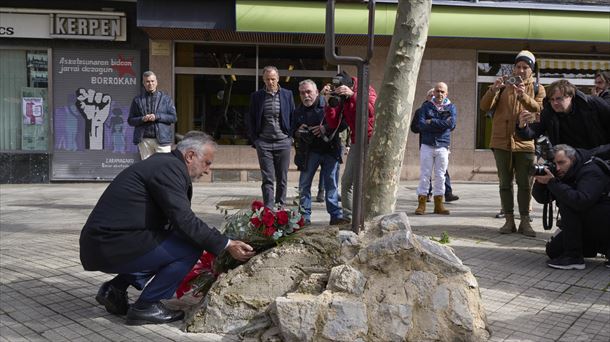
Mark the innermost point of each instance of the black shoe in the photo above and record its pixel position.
(607, 263)
(114, 300)
(152, 313)
(500, 214)
(320, 197)
(567, 263)
(428, 197)
(450, 197)
(339, 221)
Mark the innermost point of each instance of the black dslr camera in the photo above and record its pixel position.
(543, 150)
(306, 135)
(341, 79)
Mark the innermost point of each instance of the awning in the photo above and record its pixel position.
(446, 21)
(574, 64)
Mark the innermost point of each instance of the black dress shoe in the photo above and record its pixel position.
(113, 299)
(339, 221)
(450, 197)
(152, 313)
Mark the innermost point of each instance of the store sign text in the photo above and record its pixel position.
(86, 27)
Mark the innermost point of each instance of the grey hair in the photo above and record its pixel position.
(148, 74)
(270, 68)
(569, 151)
(196, 141)
(310, 82)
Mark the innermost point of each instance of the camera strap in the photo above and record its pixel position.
(332, 136)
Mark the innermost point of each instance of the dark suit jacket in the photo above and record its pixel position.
(254, 118)
(139, 209)
(164, 110)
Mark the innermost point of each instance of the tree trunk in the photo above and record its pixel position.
(394, 106)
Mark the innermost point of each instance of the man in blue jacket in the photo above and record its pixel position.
(152, 114)
(143, 228)
(436, 120)
(269, 128)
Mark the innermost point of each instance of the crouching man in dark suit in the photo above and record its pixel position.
(143, 228)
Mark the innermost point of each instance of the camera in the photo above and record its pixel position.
(335, 99)
(514, 80)
(543, 150)
(306, 135)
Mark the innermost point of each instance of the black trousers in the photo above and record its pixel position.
(583, 234)
(274, 160)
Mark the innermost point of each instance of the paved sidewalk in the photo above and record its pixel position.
(46, 296)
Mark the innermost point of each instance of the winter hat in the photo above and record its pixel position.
(527, 57)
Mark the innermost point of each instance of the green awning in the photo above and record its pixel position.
(446, 21)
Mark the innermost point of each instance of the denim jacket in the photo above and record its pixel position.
(437, 133)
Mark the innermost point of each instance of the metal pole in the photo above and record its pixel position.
(361, 105)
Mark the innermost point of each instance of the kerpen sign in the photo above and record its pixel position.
(50, 24)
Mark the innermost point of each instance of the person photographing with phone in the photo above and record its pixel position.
(505, 99)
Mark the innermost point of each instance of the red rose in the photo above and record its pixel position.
(268, 217)
(282, 217)
(257, 205)
(301, 222)
(256, 222)
(268, 231)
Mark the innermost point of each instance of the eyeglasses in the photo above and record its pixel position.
(557, 99)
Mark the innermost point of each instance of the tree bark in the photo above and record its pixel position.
(394, 106)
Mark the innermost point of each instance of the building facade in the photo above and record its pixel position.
(209, 54)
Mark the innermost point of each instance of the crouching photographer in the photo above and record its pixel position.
(580, 184)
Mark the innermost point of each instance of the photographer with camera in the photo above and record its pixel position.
(314, 149)
(341, 101)
(569, 117)
(581, 187)
(514, 155)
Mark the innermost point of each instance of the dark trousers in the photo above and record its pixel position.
(167, 265)
(583, 234)
(274, 160)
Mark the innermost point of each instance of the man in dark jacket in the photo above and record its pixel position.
(436, 120)
(269, 129)
(318, 150)
(143, 227)
(580, 186)
(569, 117)
(152, 114)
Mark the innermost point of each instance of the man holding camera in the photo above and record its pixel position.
(341, 102)
(581, 187)
(315, 149)
(569, 117)
(269, 129)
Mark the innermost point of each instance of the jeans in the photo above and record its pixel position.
(448, 189)
(433, 160)
(274, 160)
(330, 167)
(347, 182)
(167, 265)
(514, 165)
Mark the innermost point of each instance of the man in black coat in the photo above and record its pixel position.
(143, 227)
(580, 187)
(569, 117)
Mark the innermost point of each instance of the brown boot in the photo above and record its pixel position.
(525, 227)
(439, 208)
(421, 207)
(509, 225)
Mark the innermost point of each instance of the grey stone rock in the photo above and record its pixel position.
(346, 320)
(345, 278)
(441, 254)
(419, 286)
(390, 322)
(296, 316)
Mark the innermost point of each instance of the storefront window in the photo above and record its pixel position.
(24, 123)
(214, 83)
(580, 70)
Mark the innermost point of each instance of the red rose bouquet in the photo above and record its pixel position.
(258, 226)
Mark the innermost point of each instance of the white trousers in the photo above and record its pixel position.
(149, 146)
(432, 161)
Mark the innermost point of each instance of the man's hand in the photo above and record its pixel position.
(498, 84)
(546, 178)
(344, 90)
(240, 250)
(317, 130)
(519, 89)
(526, 117)
(149, 117)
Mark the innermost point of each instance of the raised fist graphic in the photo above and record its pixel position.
(95, 108)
